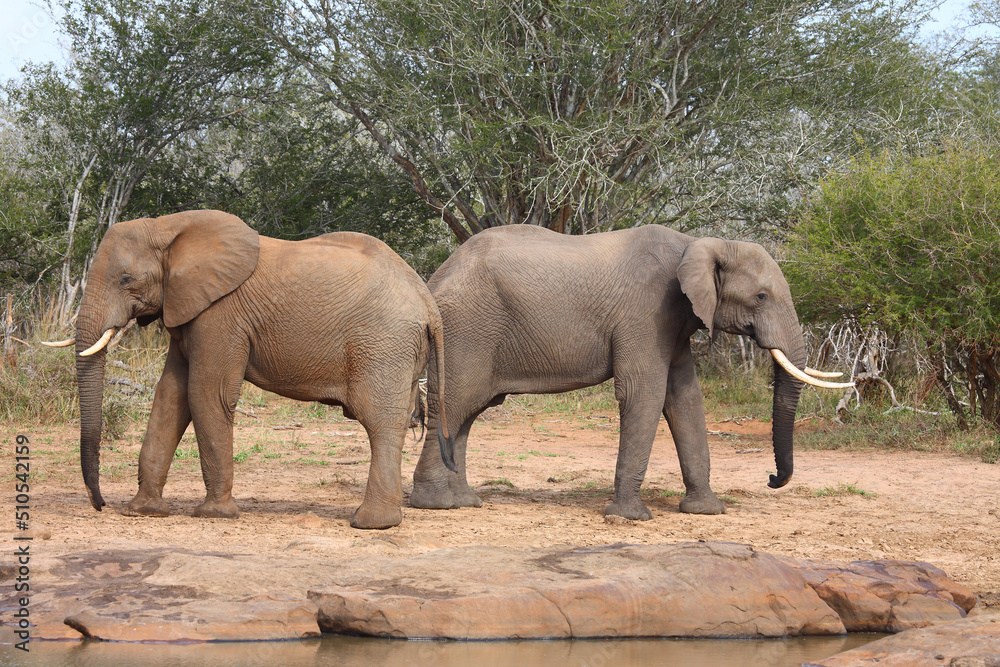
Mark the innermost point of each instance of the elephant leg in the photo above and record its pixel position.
(168, 420)
(382, 504)
(640, 405)
(213, 392)
(685, 412)
(436, 487)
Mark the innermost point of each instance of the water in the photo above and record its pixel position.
(364, 652)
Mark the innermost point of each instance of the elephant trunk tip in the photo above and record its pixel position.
(94, 491)
(447, 445)
(778, 481)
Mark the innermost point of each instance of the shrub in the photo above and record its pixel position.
(910, 244)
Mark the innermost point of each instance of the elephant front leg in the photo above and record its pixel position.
(213, 394)
(382, 504)
(640, 408)
(685, 412)
(168, 420)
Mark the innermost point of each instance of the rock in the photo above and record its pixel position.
(670, 590)
(260, 617)
(169, 595)
(886, 595)
(972, 642)
(691, 589)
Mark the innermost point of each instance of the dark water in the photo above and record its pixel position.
(350, 651)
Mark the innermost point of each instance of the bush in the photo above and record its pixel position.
(909, 244)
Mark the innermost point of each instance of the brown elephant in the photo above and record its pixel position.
(528, 310)
(340, 319)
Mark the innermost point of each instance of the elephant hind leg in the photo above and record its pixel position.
(380, 401)
(382, 504)
(434, 486)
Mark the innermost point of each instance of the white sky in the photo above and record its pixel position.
(28, 32)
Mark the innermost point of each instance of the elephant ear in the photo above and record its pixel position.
(212, 254)
(699, 274)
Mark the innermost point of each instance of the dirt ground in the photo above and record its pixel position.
(545, 479)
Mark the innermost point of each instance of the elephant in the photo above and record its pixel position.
(530, 310)
(340, 319)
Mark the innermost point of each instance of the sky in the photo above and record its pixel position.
(28, 32)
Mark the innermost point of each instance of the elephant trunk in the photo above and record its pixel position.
(90, 380)
(787, 390)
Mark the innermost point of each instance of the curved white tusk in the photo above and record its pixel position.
(821, 374)
(99, 345)
(58, 343)
(792, 370)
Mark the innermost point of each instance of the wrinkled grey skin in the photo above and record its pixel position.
(528, 310)
(340, 319)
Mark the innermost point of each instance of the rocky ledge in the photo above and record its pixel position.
(973, 642)
(666, 590)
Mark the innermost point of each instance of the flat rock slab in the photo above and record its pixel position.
(973, 642)
(667, 590)
(160, 595)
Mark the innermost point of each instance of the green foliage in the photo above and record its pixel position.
(843, 489)
(909, 244)
(180, 104)
(498, 482)
(38, 388)
(597, 114)
(906, 243)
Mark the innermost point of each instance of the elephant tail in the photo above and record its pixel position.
(445, 440)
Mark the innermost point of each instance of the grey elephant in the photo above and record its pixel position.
(528, 310)
(340, 319)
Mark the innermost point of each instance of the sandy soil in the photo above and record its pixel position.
(545, 480)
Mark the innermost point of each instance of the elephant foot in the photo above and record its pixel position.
(217, 509)
(431, 497)
(139, 506)
(467, 499)
(629, 509)
(367, 518)
(704, 504)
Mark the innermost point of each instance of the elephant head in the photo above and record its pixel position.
(172, 267)
(737, 287)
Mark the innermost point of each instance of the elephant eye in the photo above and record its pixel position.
(125, 280)
(761, 298)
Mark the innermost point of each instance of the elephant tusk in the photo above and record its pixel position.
(821, 374)
(58, 343)
(792, 370)
(99, 345)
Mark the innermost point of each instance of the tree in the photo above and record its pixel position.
(596, 114)
(292, 168)
(909, 243)
(143, 77)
